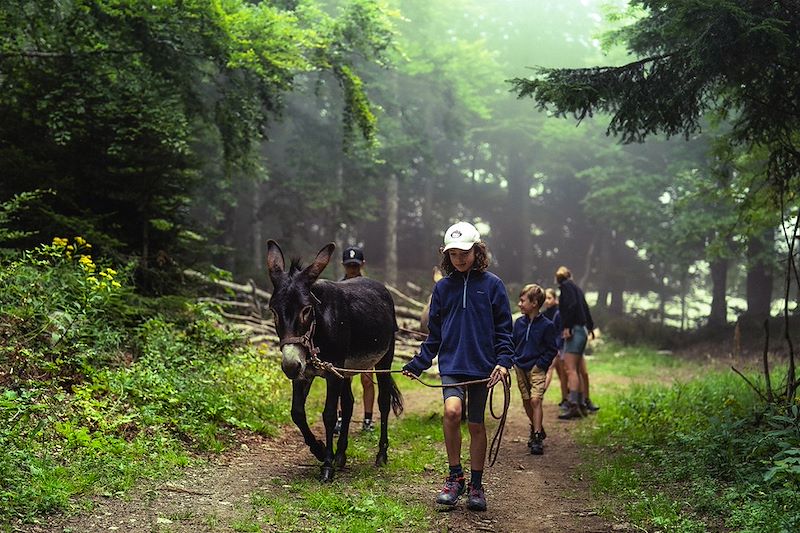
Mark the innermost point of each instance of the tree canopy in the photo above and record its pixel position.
(737, 59)
(125, 108)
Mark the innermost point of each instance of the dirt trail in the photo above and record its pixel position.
(524, 492)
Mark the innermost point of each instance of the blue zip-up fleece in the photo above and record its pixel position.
(534, 342)
(554, 315)
(470, 327)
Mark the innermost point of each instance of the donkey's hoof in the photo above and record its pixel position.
(381, 459)
(339, 460)
(318, 449)
(326, 474)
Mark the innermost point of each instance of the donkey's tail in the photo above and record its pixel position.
(395, 396)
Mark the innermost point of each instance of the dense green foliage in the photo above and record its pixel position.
(100, 388)
(738, 58)
(126, 109)
(698, 455)
(189, 133)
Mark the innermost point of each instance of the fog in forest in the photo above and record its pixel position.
(379, 124)
(455, 144)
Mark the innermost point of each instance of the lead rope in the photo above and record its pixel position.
(307, 340)
(494, 448)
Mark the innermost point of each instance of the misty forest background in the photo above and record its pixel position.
(187, 134)
(650, 146)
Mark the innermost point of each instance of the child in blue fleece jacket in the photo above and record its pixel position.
(536, 347)
(470, 332)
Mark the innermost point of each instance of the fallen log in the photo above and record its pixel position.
(246, 289)
(405, 312)
(265, 339)
(402, 296)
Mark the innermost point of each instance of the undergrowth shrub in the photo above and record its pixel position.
(99, 387)
(637, 330)
(710, 444)
(61, 313)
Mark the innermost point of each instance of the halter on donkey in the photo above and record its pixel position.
(324, 324)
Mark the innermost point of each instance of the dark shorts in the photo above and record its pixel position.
(478, 393)
(577, 343)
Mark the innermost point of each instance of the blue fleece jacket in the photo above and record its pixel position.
(470, 327)
(534, 342)
(554, 315)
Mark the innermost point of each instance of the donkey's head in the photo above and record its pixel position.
(292, 305)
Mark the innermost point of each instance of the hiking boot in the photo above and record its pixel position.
(531, 437)
(338, 427)
(368, 426)
(591, 407)
(453, 488)
(563, 407)
(476, 500)
(572, 411)
(537, 446)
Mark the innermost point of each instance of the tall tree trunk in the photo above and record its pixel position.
(513, 237)
(145, 243)
(684, 283)
(617, 306)
(760, 251)
(336, 224)
(602, 297)
(257, 228)
(662, 297)
(604, 269)
(392, 210)
(429, 224)
(719, 303)
(614, 278)
(587, 265)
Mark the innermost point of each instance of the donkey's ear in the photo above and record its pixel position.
(275, 262)
(320, 262)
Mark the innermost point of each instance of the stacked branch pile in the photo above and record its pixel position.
(245, 309)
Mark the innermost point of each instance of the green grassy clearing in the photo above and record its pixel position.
(680, 447)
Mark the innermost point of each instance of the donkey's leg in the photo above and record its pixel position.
(300, 390)
(385, 385)
(389, 398)
(334, 387)
(346, 402)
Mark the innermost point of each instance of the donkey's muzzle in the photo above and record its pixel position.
(293, 363)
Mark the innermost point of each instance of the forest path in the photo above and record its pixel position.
(524, 492)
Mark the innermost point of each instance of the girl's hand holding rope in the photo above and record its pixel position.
(499, 372)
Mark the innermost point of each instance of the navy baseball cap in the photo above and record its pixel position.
(352, 255)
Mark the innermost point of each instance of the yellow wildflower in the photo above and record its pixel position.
(80, 241)
(116, 284)
(59, 241)
(86, 263)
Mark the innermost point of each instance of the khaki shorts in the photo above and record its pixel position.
(531, 383)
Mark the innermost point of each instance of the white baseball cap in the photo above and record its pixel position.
(461, 235)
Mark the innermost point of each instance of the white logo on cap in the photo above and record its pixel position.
(352, 253)
(456, 234)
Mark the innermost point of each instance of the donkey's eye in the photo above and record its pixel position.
(305, 315)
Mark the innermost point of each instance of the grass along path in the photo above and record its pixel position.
(269, 484)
